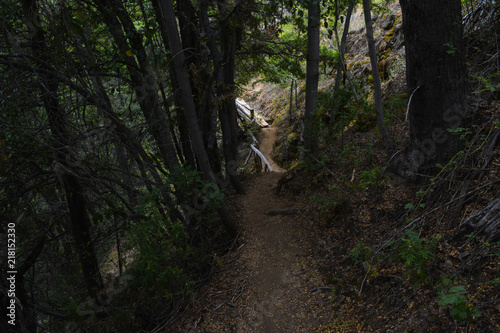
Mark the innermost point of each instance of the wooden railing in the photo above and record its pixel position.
(247, 113)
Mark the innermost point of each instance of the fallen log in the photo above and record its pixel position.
(487, 220)
(288, 211)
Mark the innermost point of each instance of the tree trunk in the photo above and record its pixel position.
(342, 68)
(174, 83)
(199, 78)
(290, 110)
(229, 42)
(127, 138)
(189, 108)
(389, 146)
(77, 205)
(487, 220)
(312, 74)
(231, 167)
(436, 79)
(229, 136)
(141, 75)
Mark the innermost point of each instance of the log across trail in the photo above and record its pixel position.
(270, 282)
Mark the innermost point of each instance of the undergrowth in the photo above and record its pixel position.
(401, 235)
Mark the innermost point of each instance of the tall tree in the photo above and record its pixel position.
(224, 72)
(63, 154)
(342, 68)
(312, 72)
(377, 95)
(168, 18)
(142, 77)
(436, 78)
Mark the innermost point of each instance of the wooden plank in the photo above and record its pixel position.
(247, 113)
(262, 158)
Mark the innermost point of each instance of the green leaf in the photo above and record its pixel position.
(409, 206)
(458, 290)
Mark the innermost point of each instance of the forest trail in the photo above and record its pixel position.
(270, 283)
(267, 138)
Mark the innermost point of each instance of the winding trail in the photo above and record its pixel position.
(265, 285)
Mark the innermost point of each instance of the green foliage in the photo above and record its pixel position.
(319, 163)
(410, 206)
(454, 296)
(278, 67)
(350, 113)
(371, 178)
(190, 183)
(250, 126)
(355, 155)
(461, 308)
(451, 49)
(395, 106)
(328, 57)
(416, 253)
(496, 255)
(343, 106)
(490, 83)
(361, 253)
(463, 133)
(325, 102)
(159, 245)
(163, 256)
(322, 200)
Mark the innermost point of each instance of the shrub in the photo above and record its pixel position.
(361, 253)
(416, 253)
(461, 307)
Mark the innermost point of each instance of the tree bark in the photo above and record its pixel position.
(77, 205)
(200, 81)
(189, 108)
(145, 87)
(312, 73)
(229, 136)
(141, 75)
(342, 68)
(229, 40)
(487, 220)
(174, 83)
(389, 146)
(290, 110)
(436, 79)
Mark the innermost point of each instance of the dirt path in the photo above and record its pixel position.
(265, 285)
(266, 139)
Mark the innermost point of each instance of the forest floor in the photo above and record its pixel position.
(271, 282)
(337, 245)
(325, 248)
